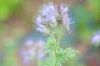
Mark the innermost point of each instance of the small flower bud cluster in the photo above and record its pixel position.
(49, 14)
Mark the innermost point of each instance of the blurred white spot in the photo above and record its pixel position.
(96, 38)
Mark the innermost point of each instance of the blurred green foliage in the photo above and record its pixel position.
(3, 28)
(85, 23)
(94, 6)
(10, 49)
(7, 7)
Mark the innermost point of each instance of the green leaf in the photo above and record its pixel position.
(70, 52)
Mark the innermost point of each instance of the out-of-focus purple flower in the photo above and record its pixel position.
(26, 60)
(31, 53)
(25, 57)
(40, 43)
(41, 54)
(29, 42)
(96, 38)
(23, 53)
(32, 50)
(40, 47)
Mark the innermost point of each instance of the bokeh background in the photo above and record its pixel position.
(20, 43)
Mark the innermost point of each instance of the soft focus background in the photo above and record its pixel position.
(21, 44)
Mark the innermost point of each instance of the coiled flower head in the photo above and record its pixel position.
(49, 15)
(65, 16)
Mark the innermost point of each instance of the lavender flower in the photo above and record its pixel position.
(41, 28)
(50, 15)
(39, 20)
(64, 16)
(96, 38)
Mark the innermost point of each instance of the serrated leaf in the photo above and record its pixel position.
(70, 52)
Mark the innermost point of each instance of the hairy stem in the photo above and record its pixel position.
(57, 44)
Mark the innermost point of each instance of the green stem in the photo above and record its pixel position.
(50, 28)
(55, 50)
(61, 28)
(57, 44)
(56, 54)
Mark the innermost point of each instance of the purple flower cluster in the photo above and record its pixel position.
(30, 51)
(27, 56)
(50, 14)
(65, 16)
